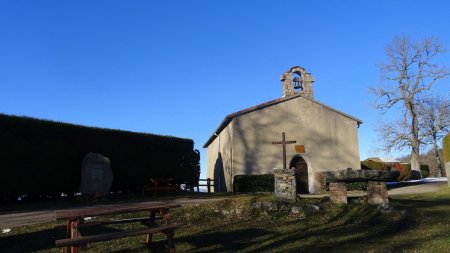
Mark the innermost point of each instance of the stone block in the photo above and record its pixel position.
(377, 193)
(447, 171)
(285, 185)
(338, 193)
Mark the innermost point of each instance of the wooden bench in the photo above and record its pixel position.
(210, 183)
(159, 185)
(75, 219)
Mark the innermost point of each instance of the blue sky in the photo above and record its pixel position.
(178, 67)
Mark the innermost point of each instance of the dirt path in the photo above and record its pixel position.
(17, 219)
(417, 189)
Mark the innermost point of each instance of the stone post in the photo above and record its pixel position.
(338, 193)
(377, 193)
(285, 186)
(446, 153)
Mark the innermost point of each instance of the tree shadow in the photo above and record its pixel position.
(350, 230)
(29, 242)
(219, 174)
(219, 241)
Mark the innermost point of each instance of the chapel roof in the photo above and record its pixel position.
(230, 117)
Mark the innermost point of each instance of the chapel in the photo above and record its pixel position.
(326, 139)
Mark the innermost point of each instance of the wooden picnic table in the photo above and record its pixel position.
(75, 219)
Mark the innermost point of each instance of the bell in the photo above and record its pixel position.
(297, 83)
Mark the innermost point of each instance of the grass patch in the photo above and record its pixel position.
(254, 223)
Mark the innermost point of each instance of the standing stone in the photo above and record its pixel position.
(285, 186)
(338, 193)
(96, 175)
(446, 152)
(377, 193)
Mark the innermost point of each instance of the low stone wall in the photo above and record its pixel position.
(359, 175)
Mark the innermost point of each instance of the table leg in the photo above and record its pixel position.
(155, 193)
(165, 214)
(68, 233)
(151, 223)
(170, 242)
(72, 232)
(83, 246)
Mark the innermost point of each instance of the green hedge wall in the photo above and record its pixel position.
(40, 157)
(253, 183)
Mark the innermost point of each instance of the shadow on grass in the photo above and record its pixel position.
(220, 241)
(43, 240)
(354, 228)
(314, 239)
(28, 242)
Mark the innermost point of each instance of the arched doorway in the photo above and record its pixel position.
(299, 165)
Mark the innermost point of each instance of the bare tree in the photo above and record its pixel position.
(395, 134)
(434, 123)
(407, 77)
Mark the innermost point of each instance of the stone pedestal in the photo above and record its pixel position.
(96, 175)
(377, 193)
(446, 153)
(447, 171)
(285, 186)
(338, 193)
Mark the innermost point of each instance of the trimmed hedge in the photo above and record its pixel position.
(41, 157)
(372, 165)
(424, 170)
(404, 169)
(407, 174)
(253, 183)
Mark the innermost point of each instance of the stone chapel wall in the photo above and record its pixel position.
(330, 138)
(220, 160)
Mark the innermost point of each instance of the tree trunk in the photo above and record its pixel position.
(438, 157)
(415, 165)
(415, 143)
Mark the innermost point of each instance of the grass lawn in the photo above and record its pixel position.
(250, 223)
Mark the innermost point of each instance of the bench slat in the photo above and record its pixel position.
(98, 211)
(95, 223)
(162, 188)
(116, 235)
(168, 180)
